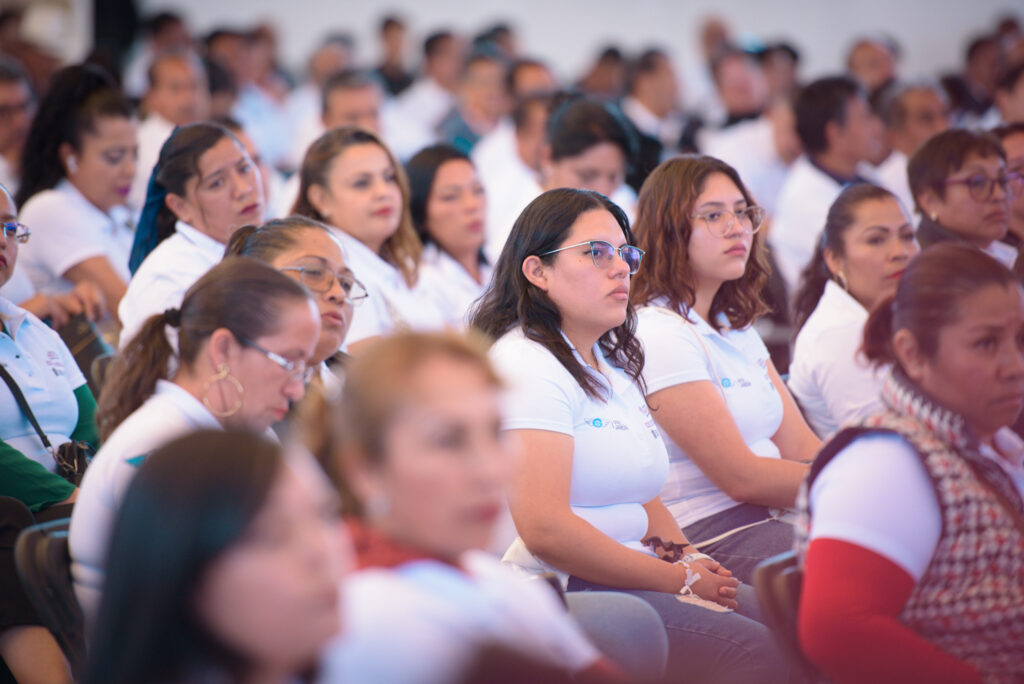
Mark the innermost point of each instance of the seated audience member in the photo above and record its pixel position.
(605, 80)
(304, 250)
(351, 181)
(431, 96)
(1012, 138)
(225, 561)
(780, 62)
(304, 103)
(272, 180)
(178, 95)
(17, 107)
(737, 443)
(873, 62)
(448, 208)
(963, 191)
(740, 84)
(43, 369)
(391, 69)
(481, 101)
(864, 248)
(428, 505)
(78, 166)
(204, 187)
(585, 500)
(913, 570)
(912, 113)
(971, 92)
(589, 146)
(246, 334)
(838, 135)
(1010, 95)
(162, 32)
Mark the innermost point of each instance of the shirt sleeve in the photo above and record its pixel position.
(60, 238)
(539, 396)
(849, 386)
(673, 354)
(29, 482)
(86, 430)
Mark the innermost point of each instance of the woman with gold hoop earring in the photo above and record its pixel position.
(246, 335)
(866, 243)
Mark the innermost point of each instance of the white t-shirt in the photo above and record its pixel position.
(618, 461)
(832, 381)
(46, 373)
(170, 412)
(66, 230)
(892, 175)
(449, 285)
(439, 616)
(165, 275)
(876, 494)
(739, 364)
(153, 133)
(425, 103)
(392, 305)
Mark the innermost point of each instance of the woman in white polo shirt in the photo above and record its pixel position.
(736, 439)
(351, 181)
(245, 336)
(79, 165)
(585, 501)
(867, 241)
(204, 187)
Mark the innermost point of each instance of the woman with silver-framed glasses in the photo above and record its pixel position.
(736, 440)
(246, 335)
(585, 499)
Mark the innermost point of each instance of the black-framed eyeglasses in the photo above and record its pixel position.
(317, 279)
(603, 253)
(981, 187)
(16, 231)
(720, 221)
(297, 370)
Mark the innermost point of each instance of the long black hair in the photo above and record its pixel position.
(78, 96)
(191, 501)
(513, 301)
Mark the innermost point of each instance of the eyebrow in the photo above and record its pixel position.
(716, 203)
(222, 168)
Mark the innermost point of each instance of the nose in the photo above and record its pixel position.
(243, 184)
(619, 267)
(1014, 365)
(294, 388)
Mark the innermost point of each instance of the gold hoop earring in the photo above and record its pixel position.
(841, 279)
(223, 373)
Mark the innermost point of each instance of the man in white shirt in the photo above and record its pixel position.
(178, 95)
(431, 97)
(1010, 95)
(17, 105)
(838, 134)
(912, 113)
(304, 104)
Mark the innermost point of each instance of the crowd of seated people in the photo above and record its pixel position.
(459, 373)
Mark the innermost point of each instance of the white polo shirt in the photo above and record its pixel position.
(892, 175)
(165, 275)
(169, 413)
(46, 372)
(66, 230)
(392, 305)
(739, 364)
(450, 286)
(618, 460)
(832, 381)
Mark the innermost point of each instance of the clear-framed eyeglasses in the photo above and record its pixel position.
(16, 231)
(297, 370)
(720, 221)
(603, 253)
(320, 279)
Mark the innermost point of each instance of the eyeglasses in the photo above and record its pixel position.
(16, 231)
(603, 253)
(297, 370)
(981, 186)
(720, 221)
(323, 279)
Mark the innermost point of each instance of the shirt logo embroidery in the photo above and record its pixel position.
(600, 423)
(54, 362)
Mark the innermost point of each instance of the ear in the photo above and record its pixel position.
(930, 202)
(909, 355)
(64, 152)
(317, 196)
(536, 272)
(833, 263)
(180, 207)
(222, 347)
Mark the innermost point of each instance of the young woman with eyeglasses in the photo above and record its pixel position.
(246, 334)
(585, 499)
(737, 442)
(963, 191)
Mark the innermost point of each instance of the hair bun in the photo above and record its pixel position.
(173, 317)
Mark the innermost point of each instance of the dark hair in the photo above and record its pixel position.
(177, 164)
(780, 47)
(518, 65)
(644, 64)
(664, 223)
(927, 298)
(401, 250)
(979, 43)
(513, 301)
(840, 217)
(421, 170)
(728, 52)
(578, 123)
(172, 54)
(944, 154)
(1008, 81)
(219, 79)
(191, 501)
(79, 95)
(434, 43)
(240, 294)
(345, 79)
(1005, 131)
(264, 243)
(161, 21)
(820, 103)
(390, 21)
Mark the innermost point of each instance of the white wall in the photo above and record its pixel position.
(568, 32)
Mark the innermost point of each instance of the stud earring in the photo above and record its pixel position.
(72, 164)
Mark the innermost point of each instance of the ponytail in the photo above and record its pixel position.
(878, 330)
(812, 285)
(154, 225)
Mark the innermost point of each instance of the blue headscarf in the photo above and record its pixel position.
(146, 237)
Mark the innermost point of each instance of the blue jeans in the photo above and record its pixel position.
(625, 629)
(707, 646)
(741, 552)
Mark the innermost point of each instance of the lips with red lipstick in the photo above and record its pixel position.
(476, 227)
(895, 276)
(383, 212)
(251, 209)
